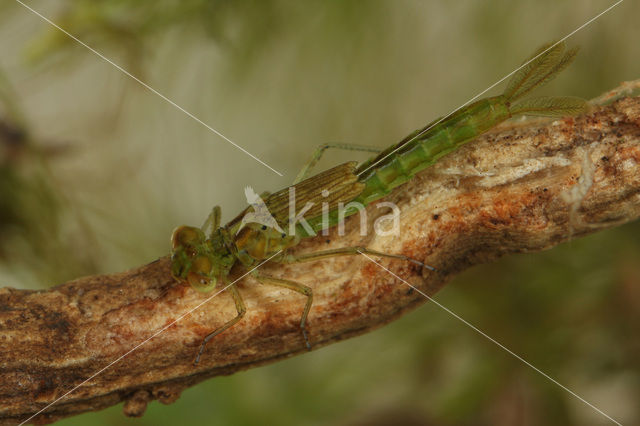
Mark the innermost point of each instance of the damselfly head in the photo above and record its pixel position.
(191, 258)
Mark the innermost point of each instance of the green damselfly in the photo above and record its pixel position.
(203, 260)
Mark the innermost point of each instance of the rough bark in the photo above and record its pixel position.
(523, 187)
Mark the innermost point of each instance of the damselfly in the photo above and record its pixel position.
(204, 260)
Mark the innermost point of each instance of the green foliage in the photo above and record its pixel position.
(31, 206)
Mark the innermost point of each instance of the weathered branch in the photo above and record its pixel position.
(523, 187)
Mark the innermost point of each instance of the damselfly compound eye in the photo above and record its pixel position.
(185, 236)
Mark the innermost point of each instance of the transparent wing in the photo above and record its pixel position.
(337, 185)
(544, 66)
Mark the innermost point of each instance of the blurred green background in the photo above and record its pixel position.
(95, 172)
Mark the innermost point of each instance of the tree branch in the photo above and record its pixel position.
(523, 187)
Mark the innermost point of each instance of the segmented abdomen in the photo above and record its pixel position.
(402, 161)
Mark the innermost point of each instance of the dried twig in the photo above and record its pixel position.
(523, 187)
